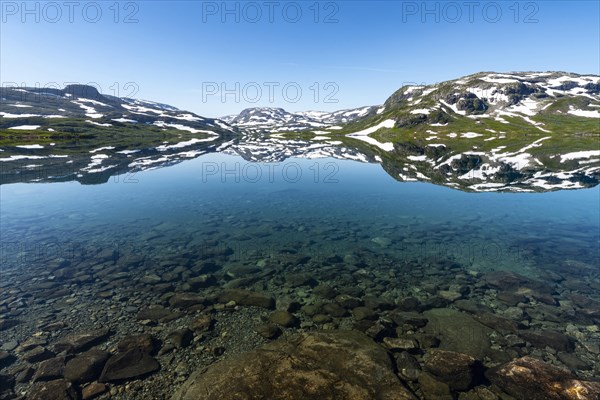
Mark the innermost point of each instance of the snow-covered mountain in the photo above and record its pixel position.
(490, 131)
(77, 133)
(41, 108)
(483, 132)
(274, 120)
(497, 96)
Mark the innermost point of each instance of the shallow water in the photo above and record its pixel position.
(321, 208)
(338, 243)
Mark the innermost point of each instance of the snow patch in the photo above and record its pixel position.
(25, 127)
(578, 155)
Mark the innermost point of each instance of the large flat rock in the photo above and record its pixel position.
(322, 365)
(459, 332)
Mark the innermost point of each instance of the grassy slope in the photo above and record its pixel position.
(73, 136)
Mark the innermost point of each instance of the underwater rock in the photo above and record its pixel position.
(412, 319)
(268, 331)
(37, 354)
(59, 389)
(202, 281)
(478, 393)
(361, 313)
(133, 363)
(528, 378)
(283, 318)
(7, 383)
(180, 337)
(400, 344)
(246, 298)
(81, 341)
(145, 342)
(408, 367)
(156, 313)
(574, 362)
(348, 302)
(186, 300)
(93, 390)
(553, 339)
(325, 291)
(6, 359)
(319, 365)
(297, 280)
(457, 370)
(87, 366)
(334, 309)
(203, 323)
(50, 369)
(433, 388)
(458, 332)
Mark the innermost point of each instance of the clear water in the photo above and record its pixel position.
(320, 208)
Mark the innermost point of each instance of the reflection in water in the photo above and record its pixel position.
(468, 171)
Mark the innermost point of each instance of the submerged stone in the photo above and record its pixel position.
(325, 291)
(87, 366)
(59, 389)
(145, 342)
(528, 378)
(268, 331)
(180, 337)
(246, 298)
(186, 300)
(553, 339)
(158, 313)
(408, 367)
(81, 341)
(334, 309)
(459, 332)
(399, 344)
(323, 365)
(37, 354)
(433, 388)
(131, 364)
(93, 390)
(283, 318)
(457, 370)
(50, 369)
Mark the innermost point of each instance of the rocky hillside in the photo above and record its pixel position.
(47, 109)
(488, 131)
(77, 133)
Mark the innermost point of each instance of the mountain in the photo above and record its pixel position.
(43, 107)
(79, 133)
(521, 131)
(277, 120)
(490, 131)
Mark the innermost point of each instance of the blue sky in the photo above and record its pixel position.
(349, 54)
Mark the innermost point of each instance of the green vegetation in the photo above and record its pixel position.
(73, 136)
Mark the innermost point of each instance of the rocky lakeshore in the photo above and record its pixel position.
(288, 326)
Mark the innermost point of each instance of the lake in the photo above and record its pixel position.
(339, 243)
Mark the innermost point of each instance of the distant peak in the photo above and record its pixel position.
(85, 91)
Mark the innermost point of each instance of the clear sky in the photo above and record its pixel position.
(339, 54)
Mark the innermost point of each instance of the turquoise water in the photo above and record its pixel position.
(321, 208)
